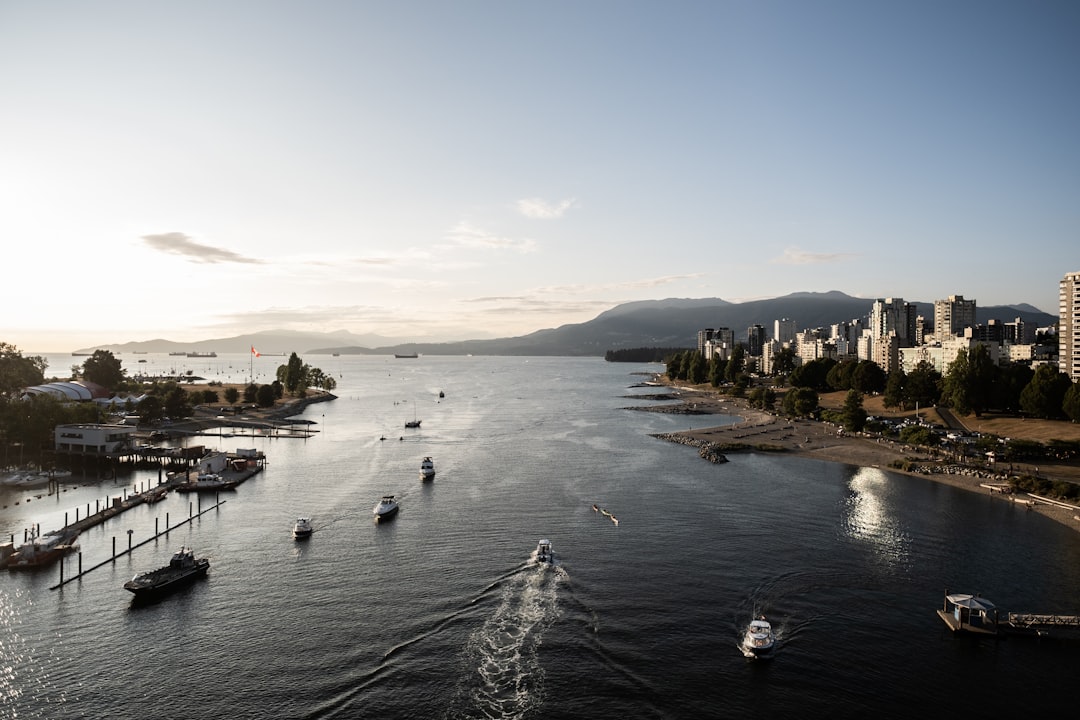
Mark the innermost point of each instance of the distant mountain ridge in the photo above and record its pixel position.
(672, 322)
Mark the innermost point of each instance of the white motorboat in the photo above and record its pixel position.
(758, 642)
(427, 468)
(302, 528)
(544, 553)
(385, 508)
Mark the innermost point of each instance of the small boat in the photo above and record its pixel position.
(410, 356)
(385, 508)
(302, 528)
(544, 553)
(759, 640)
(442, 394)
(412, 423)
(427, 468)
(41, 550)
(183, 568)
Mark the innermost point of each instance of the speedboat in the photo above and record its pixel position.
(759, 640)
(427, 468)
(385, 508)
(544, 553)
(302, 528)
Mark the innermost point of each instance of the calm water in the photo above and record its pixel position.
(440, 614)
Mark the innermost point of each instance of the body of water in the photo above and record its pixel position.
(440, 613)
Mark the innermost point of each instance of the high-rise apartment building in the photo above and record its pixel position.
(784, 330)
(1069, 326)
(755, 340)
(893, 317)
(952, 316)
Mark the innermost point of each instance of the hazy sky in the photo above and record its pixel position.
(463, 169)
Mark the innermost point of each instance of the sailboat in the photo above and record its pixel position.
(415, 422)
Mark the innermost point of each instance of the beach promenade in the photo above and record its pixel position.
(765, 432)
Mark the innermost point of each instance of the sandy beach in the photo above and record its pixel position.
(765, 432)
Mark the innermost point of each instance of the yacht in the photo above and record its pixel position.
(427, 468)
(302, 528)
(758, 641)
(385, 508)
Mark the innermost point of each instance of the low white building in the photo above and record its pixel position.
(93, 439)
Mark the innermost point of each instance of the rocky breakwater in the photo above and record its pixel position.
(706, 450)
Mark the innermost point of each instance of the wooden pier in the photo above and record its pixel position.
(192, 516)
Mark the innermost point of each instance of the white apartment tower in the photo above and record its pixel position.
(784, 330)
(952, 315)
(893, 316)
(1069, 326)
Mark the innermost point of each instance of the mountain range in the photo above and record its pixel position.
(669, 323)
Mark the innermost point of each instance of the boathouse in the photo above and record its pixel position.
(970, 614)
(93, 439)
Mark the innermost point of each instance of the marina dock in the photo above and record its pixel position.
(976, 615)
(240, 468)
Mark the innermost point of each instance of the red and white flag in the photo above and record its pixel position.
(255, 352)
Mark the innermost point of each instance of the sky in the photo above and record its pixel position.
(438, 171)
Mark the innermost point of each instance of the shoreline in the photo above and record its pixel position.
(760, 431)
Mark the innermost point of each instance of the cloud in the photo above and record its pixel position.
(543, 210)
(795, 256)
(465, 235)
(177, 243)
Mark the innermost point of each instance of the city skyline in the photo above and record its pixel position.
(448, 172)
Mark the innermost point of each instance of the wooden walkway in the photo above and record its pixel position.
(115, 554)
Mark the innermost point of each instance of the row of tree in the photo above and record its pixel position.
(972, 384)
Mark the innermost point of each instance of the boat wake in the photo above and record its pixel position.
(506, 680)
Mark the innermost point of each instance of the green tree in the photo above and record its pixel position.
(265, 396)
(151, 410)
(695, 372)
(784, 360)
(894, 390)
(867, 377)
(291, 375)
(853, 415)
(674, 366)
(18, 372)
(813, 374)
(918, 435)
(923, 386)
(956, 384)
(983, 378)
(250, 392)
(762, 397)
(231, 395)
(1044, 396)
(800, 402)
(736, 363)
(1012, 380)
(176, 402)
(103, 368)
(1071, 403)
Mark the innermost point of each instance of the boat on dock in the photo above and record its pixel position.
(183, 569)
(208, 482)
(41, 550)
